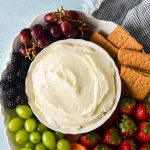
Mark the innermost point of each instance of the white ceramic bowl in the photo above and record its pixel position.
(105, 27)
(87, 128)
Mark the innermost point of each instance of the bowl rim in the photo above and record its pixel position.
(107, 115)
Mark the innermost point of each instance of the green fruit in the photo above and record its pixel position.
(24, 111)
(30, 124)
(63, 144)
(30, 145)
(41, 127)
(22, 136)
(35, 137)
(15, 124)
(25, 148)
(40, 146)
(49, 140)
(59, 135)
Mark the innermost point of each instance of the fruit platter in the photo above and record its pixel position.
(76, 83)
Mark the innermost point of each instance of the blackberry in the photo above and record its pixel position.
(16, 58)
(22, 73)
(11, 104)
(21, 87)
(10, 94)
(5, 84)
(25, 63)
(13, 67)
(21, 99)
(11, 76)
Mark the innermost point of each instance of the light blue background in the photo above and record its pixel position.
(14, 16)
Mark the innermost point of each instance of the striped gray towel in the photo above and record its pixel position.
(134, 15)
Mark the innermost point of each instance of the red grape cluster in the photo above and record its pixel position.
(61, 24)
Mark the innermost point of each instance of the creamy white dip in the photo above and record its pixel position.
(72, 85)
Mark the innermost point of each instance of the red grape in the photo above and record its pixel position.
(37, 31)
(22, 50)
(73, 15)
(43, 42)
(55, 31)
(66, 28)
(25, 35)
(50, 18)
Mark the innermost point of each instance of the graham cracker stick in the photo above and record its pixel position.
(133, 59)
(101, 41)
(122, 39)
(138, 85)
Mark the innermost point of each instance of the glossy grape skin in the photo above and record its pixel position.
(59, 135)
(43, 42)
(25, 35)
(24, 111)
(40, 146)
(26, 148)
(41, 128)
(15, 124)
(50, 18)
(22, 136)
(66, 28)
(73, 15)
(35, 137)
(55, 31)
(37, 31)
(30, 124)
(22, 50)
(48, 139)
(30, 145)
(63, 144)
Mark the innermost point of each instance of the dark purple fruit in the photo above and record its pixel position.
(37, 31)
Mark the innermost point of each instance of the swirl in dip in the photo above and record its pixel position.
(71, 85)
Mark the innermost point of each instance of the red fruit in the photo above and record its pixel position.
(127, 126)
(90, 139)
(55, 31)
(143, 134)
(127, 106)
(25, 35)
(37, 31)
(145, 147)
(50, 18)
(111, 136)
(102, 147)
(66, 28)
(43, 42)
(113, 119)
(142, 112)
(73, 15)
(128, 144)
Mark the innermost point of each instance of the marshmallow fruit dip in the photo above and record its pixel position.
(71, 85)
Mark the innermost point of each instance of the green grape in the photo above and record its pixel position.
(59, 135)
(22, 136)
(41, 127)
(30, 124)
(15, 124)
(35, 137)
(30, 145)
(26, 148)
(24, 111)
(49, 140)
(40, 146)
(63, 144)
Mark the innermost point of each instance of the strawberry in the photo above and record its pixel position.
(127, 106)
(128, 144)
(90, 139)
(145, 147)
(127, 126)
(113, 119)
(143, 134)
(142, 112)
(102, 147)
(111, 137)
